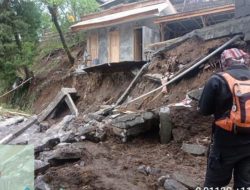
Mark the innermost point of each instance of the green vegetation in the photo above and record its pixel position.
(23, 25)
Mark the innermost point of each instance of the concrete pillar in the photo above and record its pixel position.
(165, 125)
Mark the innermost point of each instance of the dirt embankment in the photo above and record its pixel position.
(111, 164)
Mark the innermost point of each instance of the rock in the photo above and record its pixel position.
(186, 180)
(41, 166)
(44, 126)
(147, 170)
(171, 184)
(40, 184)
(64, 153)
(61, 126)
(142, 169)
(195, 94)
(47, 143)
(153, 171)
(96, 136)
(161, 180)
(96, 117)
(83, 130)
(134, 124)
(194, 149)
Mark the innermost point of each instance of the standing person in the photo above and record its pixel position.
(227, 96)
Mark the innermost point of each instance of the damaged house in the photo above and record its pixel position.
(121, 33)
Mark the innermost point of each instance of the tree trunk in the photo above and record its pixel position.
(53, 12)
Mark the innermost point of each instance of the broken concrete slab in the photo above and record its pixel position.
(224, 29)
(19, 130)
(171, 184)
(186, 180)
(134, 124)
(62, 154)
(11, 121)
(65, 92)
(194, 149)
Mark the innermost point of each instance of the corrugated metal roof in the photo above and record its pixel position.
(125, 16)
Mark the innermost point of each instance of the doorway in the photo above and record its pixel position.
(138, 44)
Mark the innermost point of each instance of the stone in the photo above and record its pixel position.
(142, 169)
(195, 94)
(153, 171)
(161, 180)
(194, 149)
(41, 166)
(40, 184)
(171, 184)
(134, 124)
(47, 143)
(186, 180)
(96, 136)
(96, 117)
(44, 126)
(65, 153)
(83, 130)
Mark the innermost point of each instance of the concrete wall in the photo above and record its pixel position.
(151, 34)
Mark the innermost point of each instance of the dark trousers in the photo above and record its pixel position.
(225, 162)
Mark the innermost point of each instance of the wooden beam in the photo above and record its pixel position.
(192, 14)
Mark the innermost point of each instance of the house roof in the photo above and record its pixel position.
(124, 13)
(192, 14)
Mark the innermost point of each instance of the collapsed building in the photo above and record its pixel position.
(116, 98)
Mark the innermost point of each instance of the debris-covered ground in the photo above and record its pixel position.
(121, 150)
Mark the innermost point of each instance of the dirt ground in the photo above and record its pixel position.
(112, 164)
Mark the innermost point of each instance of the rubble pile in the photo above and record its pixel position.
(120, 148)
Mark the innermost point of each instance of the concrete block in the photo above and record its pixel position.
(165, 125)
(194, 149)
(186, 180)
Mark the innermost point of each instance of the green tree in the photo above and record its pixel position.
(19, 21)
(52, 6)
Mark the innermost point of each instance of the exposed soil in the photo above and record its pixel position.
(111, 164)
(114, 166)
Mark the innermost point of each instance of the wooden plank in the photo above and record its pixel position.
(192, 14)
(93, 47)
(114, 46)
